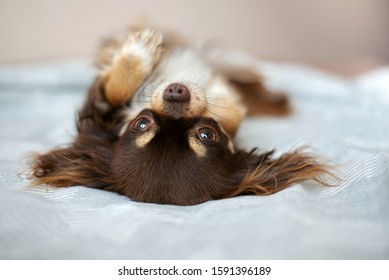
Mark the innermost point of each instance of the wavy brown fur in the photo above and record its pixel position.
(274, 175)
(70, 166)
(147, 174)
(84, 163)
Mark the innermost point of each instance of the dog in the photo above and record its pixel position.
(158, 126)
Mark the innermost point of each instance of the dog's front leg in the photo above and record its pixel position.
(132, 65)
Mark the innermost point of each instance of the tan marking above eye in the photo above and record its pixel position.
(145, 128)
(196, 145)
(143, 139)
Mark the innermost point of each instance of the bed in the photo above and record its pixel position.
(345, 120)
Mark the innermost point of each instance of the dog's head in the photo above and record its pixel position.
(175, 160)
(185, 161)
(168, 160)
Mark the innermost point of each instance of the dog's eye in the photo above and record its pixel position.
(142, 124)
(207, 134)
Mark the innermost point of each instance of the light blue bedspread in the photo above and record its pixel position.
(346, 120)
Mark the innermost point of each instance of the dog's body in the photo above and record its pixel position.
(158, 126)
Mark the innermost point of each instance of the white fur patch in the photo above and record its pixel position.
(186, 65)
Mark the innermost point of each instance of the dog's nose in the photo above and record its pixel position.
(176, 92)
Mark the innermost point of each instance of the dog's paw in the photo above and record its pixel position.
(146, 45)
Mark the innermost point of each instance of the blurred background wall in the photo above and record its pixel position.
(342, 35)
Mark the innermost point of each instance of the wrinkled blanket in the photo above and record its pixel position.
(344, 120)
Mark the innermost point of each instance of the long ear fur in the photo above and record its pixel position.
(269, 175)
(85, 163)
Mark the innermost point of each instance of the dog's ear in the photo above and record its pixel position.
(85, 162)
(266, 175)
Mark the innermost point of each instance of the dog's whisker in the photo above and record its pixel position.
(224, 107)
(142, 101)
(146, 96)
(224, 118)
(218, 98)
